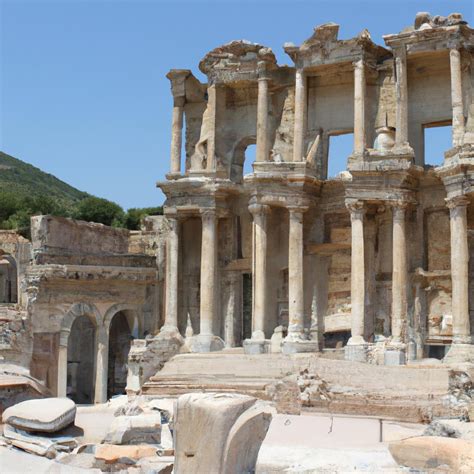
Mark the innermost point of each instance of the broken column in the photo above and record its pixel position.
(62, 364)
(257, 344)
(396, 353)
(300, 112)
(233, 311)
(211, 141)
(262, 115)
(359, 107)
(455, 59)
(206, 341)
(356, 347)
(461, 349)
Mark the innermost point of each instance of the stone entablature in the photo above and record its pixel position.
(372, 247)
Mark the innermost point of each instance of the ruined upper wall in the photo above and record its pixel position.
(67, 236)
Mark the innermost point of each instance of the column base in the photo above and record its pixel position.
(460, 353)
(168, 332)
(394, 356)
(356, 352)
(256, 346)
(289, 346)
(205, 343)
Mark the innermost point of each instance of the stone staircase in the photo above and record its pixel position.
(226, 371)
(408, 393)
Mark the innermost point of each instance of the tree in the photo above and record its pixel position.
(134, 216)
(94, 209)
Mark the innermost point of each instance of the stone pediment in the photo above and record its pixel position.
(237, 61)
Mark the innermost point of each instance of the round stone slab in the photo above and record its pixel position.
(46, 414)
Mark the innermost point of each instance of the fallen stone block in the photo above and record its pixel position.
(432, 452)
(139, 429)
(44, 445)
(45, 415)
(156, 465)
(219, 433)
(111, 453)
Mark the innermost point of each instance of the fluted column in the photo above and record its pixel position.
(399, 273)
(208, 271)
(300, 112)
(102, 362)
(172, 268)
(212, 117)
(357, 210)
(401, 135)
(262, 117)
(359, 107)
(260, 213)
(457, 97)
(234, 307)
(177, 134)
(295, 275)
(459, 269)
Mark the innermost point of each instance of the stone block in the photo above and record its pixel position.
(294, 347)
(356, 352)
(460, 353)
(253, 346)
(205, 343)
(433, 453)
(111, 453)
(139, 429)
(394, 357)
(227, 430)
(46, 415)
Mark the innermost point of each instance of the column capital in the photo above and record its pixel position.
(399, 209)
(262, 71)
(259, 209)
(356, 207)
(179, 101)
(208, 213)
(457, 201)
(359, 63)
(297, 209)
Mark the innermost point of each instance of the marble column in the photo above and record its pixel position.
(172, 268)
(357, 211)
(399, 273)
(295, 275)
(300, 112)
(457, 97)
(62, 364)
(262, 119)
(459, 269)
(359, 107)
(102, 362)
(177, 134)
(401, 135)
(260, 213)
(208, 272)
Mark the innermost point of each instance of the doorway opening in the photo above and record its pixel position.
(340, 147)
(80, 361)
(243, 158)
(8, 279)
(120, 337)
(437, 138)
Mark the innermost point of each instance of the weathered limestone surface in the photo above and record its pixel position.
(226, 435)
(139, 429)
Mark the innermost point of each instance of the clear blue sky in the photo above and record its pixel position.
(83, 88)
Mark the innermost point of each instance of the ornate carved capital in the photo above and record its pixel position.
(208, 214)
(296, 212)
(258, 210)
(356, 207)
(399, 209)
(457, 202)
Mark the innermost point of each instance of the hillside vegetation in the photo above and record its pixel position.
(26, 190)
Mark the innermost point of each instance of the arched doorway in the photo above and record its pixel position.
(80, 360)
(8, 279)
(243, 157)
(120, 337)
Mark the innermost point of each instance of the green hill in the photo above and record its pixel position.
(28, 181)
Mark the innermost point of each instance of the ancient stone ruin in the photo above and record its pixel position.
(284, 294)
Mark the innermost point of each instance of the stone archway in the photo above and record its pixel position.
(238, 158)
(8, 279)
(77, 353)
(120, 337)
